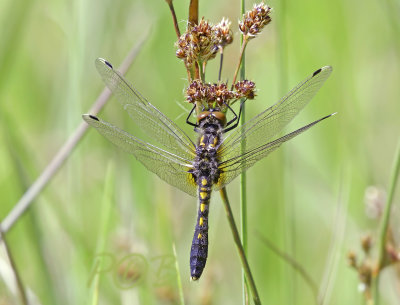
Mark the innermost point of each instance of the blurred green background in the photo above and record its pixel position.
(308, 198)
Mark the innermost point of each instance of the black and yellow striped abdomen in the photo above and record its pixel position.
(199, 250)
(206, 173)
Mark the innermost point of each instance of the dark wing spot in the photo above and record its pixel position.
(93, 117)
(315, 73)
(108, 64)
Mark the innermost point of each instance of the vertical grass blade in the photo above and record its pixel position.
(243, 178)
(238, 243)
(385, 220)
(19, 284)
(178, 278)
(104, 226)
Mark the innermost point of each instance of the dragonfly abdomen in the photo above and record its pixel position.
(199, 250)
(205, 172)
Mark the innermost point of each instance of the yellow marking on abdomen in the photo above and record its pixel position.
(215, 141)
(202, 141)
(204, 181)
(201, 221)
(203, 195)
(203, 189)
(199, 236)
(202, 207)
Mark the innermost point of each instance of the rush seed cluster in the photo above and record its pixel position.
(207, 93)
(201, 42)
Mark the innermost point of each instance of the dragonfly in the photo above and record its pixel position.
(216, 157)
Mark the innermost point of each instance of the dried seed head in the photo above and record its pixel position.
(245, 88)
(209, 94)
(219, 93)
(393, 254)
(196, 92)
(223, 32)
(365, 273)
(366, 243)
(254, 20)
(352, 259)
(374, 199)
(204, 38)
(199, 43)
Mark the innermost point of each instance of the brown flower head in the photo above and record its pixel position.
(196, 92)
(245, 88)
(366, 243)
(223, 32)
(198, 43)
(254, 20)
(352, 259)
(219, 93)
(209, 94)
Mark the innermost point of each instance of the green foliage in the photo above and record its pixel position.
(48, 80)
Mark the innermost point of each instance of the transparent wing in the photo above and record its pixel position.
(154, 123)
(233, 167)
(170, 167)
(263, 127)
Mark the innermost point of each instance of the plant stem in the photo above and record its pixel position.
(292, 262)
(242, 255)
(243, 176)
(176, 26)
(202, 71)
(221, 61)
(244, 44)
(197, 70)
(17, 276)
(385, 221)
(178, 277)
(194, 12)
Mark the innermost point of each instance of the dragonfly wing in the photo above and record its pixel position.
(269, 123)
(153, 122)
(170, 167)
(233, 167)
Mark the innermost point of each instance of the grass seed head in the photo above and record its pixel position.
(223, 33)
(352, 259)
(199, 43)
(245, 88)
(208, 94)
(255, 20)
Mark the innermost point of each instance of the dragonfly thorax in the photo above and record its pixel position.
(205, 164)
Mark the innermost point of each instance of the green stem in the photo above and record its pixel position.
(242, 255)
(20, 286)
(385, 221)
(202, 71)
(244, 44)
(221, 51)
(243, 178)
(176, 26)
(178, 278)
(293, 263)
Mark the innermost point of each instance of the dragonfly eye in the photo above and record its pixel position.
(220, 116)
(202, 115)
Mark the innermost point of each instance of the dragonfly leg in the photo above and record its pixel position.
(188, 118)
(236, 118)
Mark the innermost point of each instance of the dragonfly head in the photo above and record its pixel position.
(220, 116)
